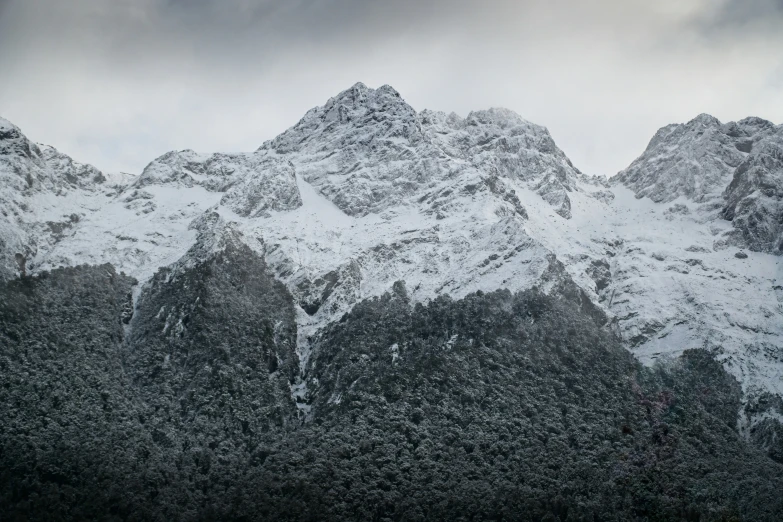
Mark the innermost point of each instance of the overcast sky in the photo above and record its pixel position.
(117, 83)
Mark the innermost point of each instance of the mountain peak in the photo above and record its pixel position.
(756, 123)
(389, 90)
(355, 92)
(6, 126)
(705, 119)
(694, 160)
(359, 95)
(358, 114)
(498, 116)
(13, 141)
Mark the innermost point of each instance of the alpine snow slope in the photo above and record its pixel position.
(681, 250)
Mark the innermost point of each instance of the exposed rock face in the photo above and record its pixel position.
(28, 168)
(367, 150)
(755, 197)
(364, 150)
(600, 272)
(501, 143)
(252, 183)
(71, 172)
(272, 188)
(717, 172)
(734, 167)
(43, 193)
(694, 160)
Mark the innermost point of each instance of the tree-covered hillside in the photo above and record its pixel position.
(498, 406)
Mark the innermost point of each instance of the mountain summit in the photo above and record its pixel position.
(734, 167)
(367, 150)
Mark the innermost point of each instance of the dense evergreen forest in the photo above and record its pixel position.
(498, 406)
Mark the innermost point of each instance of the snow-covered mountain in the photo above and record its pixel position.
(734, 168)
(43, 196)
(680, 249)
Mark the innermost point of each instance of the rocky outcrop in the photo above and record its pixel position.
(502, 143)
(754, 198)
(272, 187)
(367, 150)
(734, 168)
(43, 195)
(364, 150)
(253, 183)
(694, 160)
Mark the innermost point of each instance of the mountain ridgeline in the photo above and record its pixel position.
(385, 314)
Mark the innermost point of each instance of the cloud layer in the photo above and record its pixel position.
(119, 83)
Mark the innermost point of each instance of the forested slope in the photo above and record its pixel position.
(498, 406)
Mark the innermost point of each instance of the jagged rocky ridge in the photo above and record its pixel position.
(734, 168)
(364, 192)
(44, 195)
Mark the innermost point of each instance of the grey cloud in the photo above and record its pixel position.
(733, 13)
(734, 22)
(118, 83)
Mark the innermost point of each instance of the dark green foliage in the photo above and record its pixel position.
(143, 427)
(212, 348)
(493, 407)
(767, 432)
(68, 422)
(700, 382)
(516, 406)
